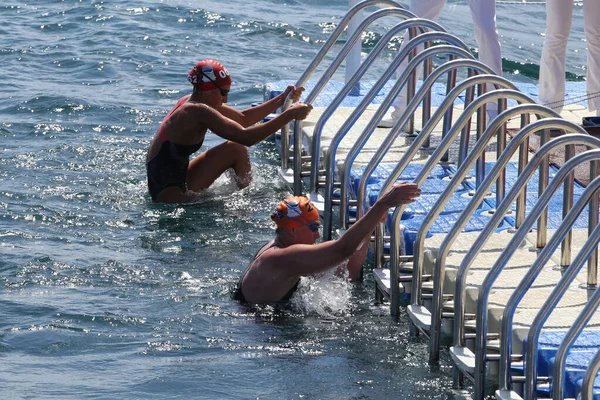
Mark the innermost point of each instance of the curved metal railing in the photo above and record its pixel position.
(398, 10)
(369, 129)
(457, 179)
(481, 320)
(559, 290)
(499, 214)
(407, 158)
(453, 184)
(317, 131)
(312, 96)
(589, 377)
(543, 257)
(411, 108)
(558, 376)
(320, 56)
(348, 87)
(496, 219)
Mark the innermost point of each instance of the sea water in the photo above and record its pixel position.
(104, 294)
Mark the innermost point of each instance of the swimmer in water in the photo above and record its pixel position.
(172, 177)
(275, 271)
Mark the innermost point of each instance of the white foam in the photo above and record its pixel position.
(327, 295)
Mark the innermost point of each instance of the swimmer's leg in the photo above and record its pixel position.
(208, 166)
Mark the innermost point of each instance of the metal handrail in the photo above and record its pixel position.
(463, 218)
(436, 312)
(315, 144)
(312, 96)
(297, 148)
(497, 217)
(455, 182)
(427, 130)
(413, 149)
(349, 86)
(540, 262)
(481, 320)
(438, 207)
(459, 175)
(542, 258)
(559, 290)
(587, 388)
(320, 56)
(500, 212)
(433, 160)
(503, 208)
(411, 107)
(394, 257)
(369, 129)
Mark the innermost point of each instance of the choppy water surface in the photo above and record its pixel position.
(104, 294)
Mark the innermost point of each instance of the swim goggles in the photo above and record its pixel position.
(310, 224)
(224, 92)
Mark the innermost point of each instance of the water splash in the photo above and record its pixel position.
(327, 295)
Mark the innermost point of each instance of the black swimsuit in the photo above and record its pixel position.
(239, 295)
(169, 167)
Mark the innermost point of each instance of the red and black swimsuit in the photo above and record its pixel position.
(169, 167)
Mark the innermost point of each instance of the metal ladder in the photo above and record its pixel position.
(294, 176)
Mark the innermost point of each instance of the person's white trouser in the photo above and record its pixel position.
(554, 53)
(483, 13)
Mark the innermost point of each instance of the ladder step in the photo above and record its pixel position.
(490, 336)
(337, 202)
(302, 158)
(429, 296)
(386, 240)
(306, 174)
(402, 259)
(336, 184)
(496, 357)
(450, 315)
(406, 278)
(521, 379)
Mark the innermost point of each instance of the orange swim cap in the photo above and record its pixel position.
(294, 211)
(209, 75)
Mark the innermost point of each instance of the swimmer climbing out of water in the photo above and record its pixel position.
(275, 271)
(172, 177)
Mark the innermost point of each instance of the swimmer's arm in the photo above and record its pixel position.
(231, 130)
(305, 260)
(252, 115)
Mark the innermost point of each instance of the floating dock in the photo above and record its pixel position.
(497, 260)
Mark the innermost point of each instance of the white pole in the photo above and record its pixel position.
(353, 59)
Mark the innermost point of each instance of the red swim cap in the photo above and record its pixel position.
(209, 75)
(294, 211)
